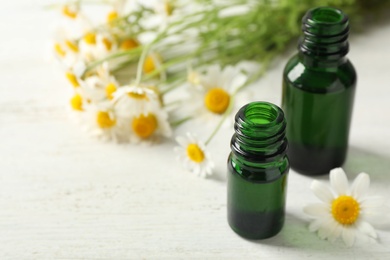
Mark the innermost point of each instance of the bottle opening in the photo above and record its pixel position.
(261, 113)
(327, 15)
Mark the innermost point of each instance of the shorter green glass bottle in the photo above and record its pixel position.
(257, 171)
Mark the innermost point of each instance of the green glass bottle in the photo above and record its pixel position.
(257, 171)
(318, 93)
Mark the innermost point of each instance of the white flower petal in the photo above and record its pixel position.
(348, 235)
(212, 77)
(197, 169)
(179, 149)
(227, 77)
(325, 230)
(317, 210)
(335, 233)
(339, 181)
(191, 138)
(238, 81)
(366, 229)
(366, 240)
(315, 225)
(376, 217)
(360, 185)
(372, 203)
(322, 191)
(209, 170)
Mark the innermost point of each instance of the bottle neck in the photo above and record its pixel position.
(324, 39)
(259, 144)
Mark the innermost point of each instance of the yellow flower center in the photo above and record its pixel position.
(71, 45)
(144, 126)
(68, 12)
(76, 102)
(149, 64)
(136, 95)
(129, 44)
(72, 79)
(217, 100)
(345, 210)
(90, 38)
(194, 153)
(104, 120)
(58, 49)
(111, 16)
(110, 89)
(168, 8)
(107, 43)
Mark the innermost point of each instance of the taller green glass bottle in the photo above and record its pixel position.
(318, 93)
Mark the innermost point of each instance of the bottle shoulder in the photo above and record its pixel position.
(319, 79)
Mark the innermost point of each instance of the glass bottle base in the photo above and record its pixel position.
(256, 226)
(312, 161)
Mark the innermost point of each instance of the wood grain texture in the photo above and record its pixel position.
(64, 195)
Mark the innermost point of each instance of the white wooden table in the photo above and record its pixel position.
(65, 195)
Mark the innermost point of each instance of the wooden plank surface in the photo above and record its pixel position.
(65, 195)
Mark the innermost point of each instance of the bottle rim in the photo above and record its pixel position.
(326, 16)
(260, 115)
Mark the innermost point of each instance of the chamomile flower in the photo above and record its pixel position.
(101, 86)
(67, 51)
(74, 22)
(65, 48)
(142, 107)
(94, 46)
(103, 122)
(152, 62)
(73, 78)
(70, 11)
(212, 93)
(134, 100)
(118, 9)
(345, 211)
(77, 102)
(165, 10)
(77, 105)
(194, 156)
(129, 44)
(150, 125)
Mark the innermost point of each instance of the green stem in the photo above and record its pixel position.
(172, 103)
(111, 57)
(122, 65)
(141, 64)
(180, 121)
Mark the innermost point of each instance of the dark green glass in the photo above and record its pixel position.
(318, 93)
(257, 171)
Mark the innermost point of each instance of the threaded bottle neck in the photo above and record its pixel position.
(325, 34)
(259, 133)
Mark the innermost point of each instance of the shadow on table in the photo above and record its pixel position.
(376, 165)
(218, 176)
(295, 234)
(360, 160)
